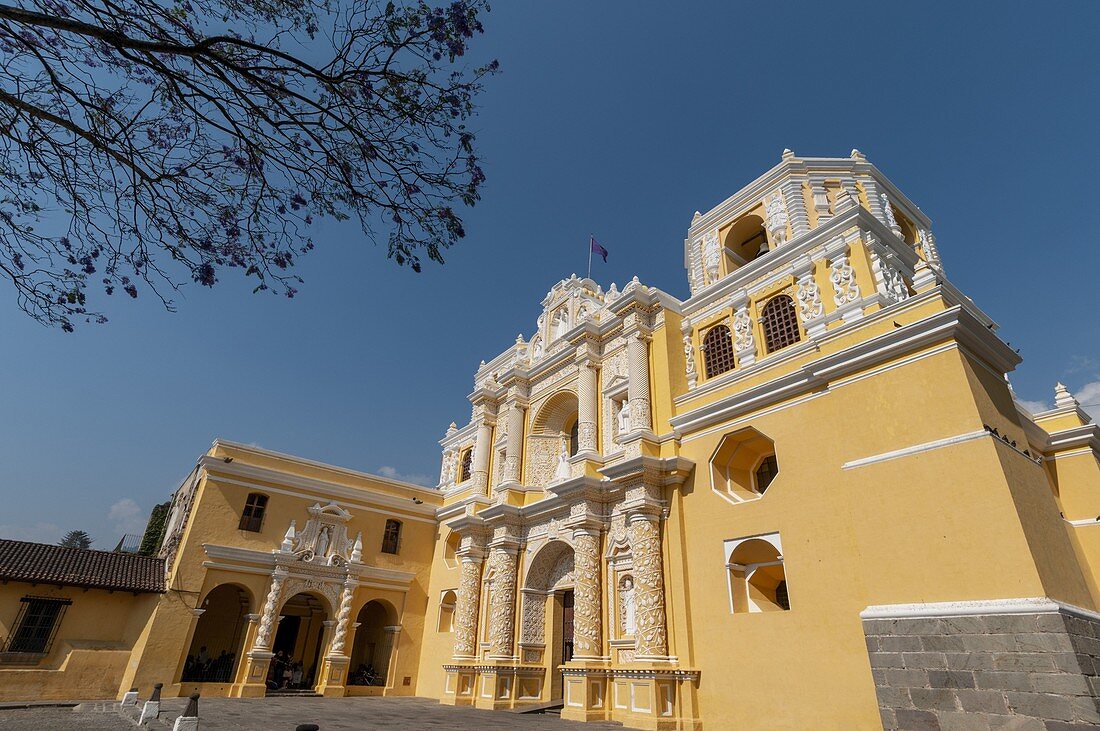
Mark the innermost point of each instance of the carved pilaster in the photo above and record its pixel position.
(690, 370)
(587, 633)
(503, 567)
(811, 309)
(513, 450)
(796, 206)
(744, 344)
(466, 605)
(645, 545)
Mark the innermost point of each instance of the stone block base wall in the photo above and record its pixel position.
(1023, 664)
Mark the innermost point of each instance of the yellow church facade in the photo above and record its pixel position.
(803, 497)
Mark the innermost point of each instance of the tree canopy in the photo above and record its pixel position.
(76, 539)
(148, 143)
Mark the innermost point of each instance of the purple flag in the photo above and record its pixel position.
(597, 249)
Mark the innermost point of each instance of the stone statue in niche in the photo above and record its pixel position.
(627, 611)
(322, 542)
(624, 417)
(710, 258)
(563, 472)
(561, 324)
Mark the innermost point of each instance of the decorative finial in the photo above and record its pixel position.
(288, 539)
(787, 154)
(1063, 399)
(857, 155)
(452, 428)
(696, 217)
(519, 339)
(357, 549)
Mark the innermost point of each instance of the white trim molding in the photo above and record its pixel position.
(1025, 605)
(915, 449)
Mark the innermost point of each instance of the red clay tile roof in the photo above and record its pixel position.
(41, 563)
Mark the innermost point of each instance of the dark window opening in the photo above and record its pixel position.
(718, 351)
(466, 468)
(36, 625)
(780, 323)
(252, 519)
(781, 596)
(392, 536)
(574, 438)
(765, 473)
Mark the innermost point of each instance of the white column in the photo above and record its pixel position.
(744, 342)
(270, 612)
(513, 456)
(480, 464)
(586, 405)
(649, 593)
(637, 357)
(587, 608)
(796, 206)
(503, 562)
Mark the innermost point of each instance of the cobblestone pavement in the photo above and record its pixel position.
(283, 714)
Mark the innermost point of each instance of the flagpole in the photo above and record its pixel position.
(590, 239)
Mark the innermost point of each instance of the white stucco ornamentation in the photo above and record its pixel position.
(270, 611)
(628, 612)
(502, 616)
(645, 544)
(586, 608)
(809, 298)
(928, 248)
(466, 606)
(324, 540)
(742, 331)
(843, 278)
(891, 217)
(689, 362)
(711, 257)
(777, 219)
(343, 618)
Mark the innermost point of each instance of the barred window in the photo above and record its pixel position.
(392, 536)
(780, 323)
(466, 468)
(718, 351)
(766, 472)
(252, 518)
(782, 598)
(36, 625)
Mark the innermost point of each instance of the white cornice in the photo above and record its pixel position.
(1087, 435)
(230, 556)
(954, 323)
(419, 489)
(1027, 605)
(217, 469)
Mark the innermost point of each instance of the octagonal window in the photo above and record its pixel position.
(744, 465)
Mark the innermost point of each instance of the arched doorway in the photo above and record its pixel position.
(216, 646)
(546, 631)
(373, 647)
(299, 643)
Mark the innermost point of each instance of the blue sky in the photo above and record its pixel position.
(620, 119)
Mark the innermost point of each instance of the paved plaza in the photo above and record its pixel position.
(283, 714)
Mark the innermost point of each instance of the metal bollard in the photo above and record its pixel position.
(189, 721)
(151, 709)
(129, 698)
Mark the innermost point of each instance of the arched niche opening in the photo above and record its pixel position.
(746, 240)
(299, 642)
(218, 641)
(554, 435)
(374, 644)
(757, 578)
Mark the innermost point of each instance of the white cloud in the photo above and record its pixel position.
(1034, 407)
(39, 532)
(127, 516)
(1088, 394)
(393, 474)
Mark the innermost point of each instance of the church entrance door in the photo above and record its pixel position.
(297, 645)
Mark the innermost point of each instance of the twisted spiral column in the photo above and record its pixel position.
(637, 356)
(343, 619)
(587, 634)
(466, 606)
(271, 610)
(649, 583)
(502, 601)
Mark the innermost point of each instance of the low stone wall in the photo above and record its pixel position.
(1024, 664)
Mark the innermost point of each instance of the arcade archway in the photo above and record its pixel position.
(371, 653)
(217, 644)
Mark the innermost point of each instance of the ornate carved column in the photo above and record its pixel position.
(744, 344)
(483, 446)
(645, 544)
(586, 402)
(810, 308)
(587, 608)
(467, 603)
(513, 456)
(637, 358)
(503, 565)
(270, 613)
(343, 618)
